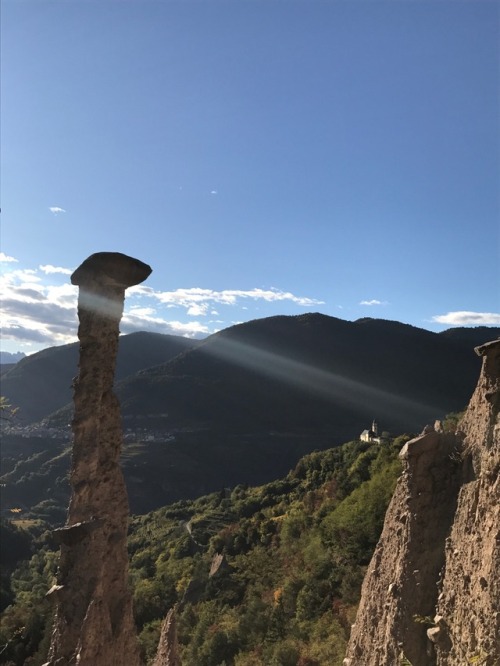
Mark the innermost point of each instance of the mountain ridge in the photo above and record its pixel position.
(285, 364)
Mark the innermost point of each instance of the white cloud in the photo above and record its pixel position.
(137, 311)
(374, 301)
(140, 290)
(213, 192)
(34, 312)
(63, 295)
(56, 209)
(143, 319)
(198, 309)
(39, 307)
(48, 269)
(4, 258)
(192, 329)
(196, 296)
(20, 277)
(466, 318)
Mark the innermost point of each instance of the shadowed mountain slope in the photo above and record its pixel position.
(471, 337)
(41, 383)
(307, 372)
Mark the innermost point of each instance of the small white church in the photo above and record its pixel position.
(371, 435)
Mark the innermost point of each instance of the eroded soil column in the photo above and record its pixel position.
(93, 624)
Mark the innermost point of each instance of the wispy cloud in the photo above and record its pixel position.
(39, 307)
(374, 301)
(466, 318)
(198, 301)
(56, 209)
(48, 269)
(144, 319)
(36, 313)
(192, 329)
(198, 309)
(5, 259)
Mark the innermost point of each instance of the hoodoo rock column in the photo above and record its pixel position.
(93, 623)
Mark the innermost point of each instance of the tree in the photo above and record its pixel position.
(7, 411)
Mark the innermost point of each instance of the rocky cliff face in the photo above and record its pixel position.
(431, 595)
(468, 609)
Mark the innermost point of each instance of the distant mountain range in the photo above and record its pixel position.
(7, 358)
(243, 405)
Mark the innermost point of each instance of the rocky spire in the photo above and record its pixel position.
(400, 584)
(93, 623)
(168, 650)
(467, 623)
(431, 595)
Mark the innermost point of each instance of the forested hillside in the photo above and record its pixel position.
(266, 575)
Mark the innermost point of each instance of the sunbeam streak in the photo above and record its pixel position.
(100, 305)
(329, 386)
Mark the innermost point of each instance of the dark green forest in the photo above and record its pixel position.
(266, 575)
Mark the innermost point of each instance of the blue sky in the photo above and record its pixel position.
(272, 157)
